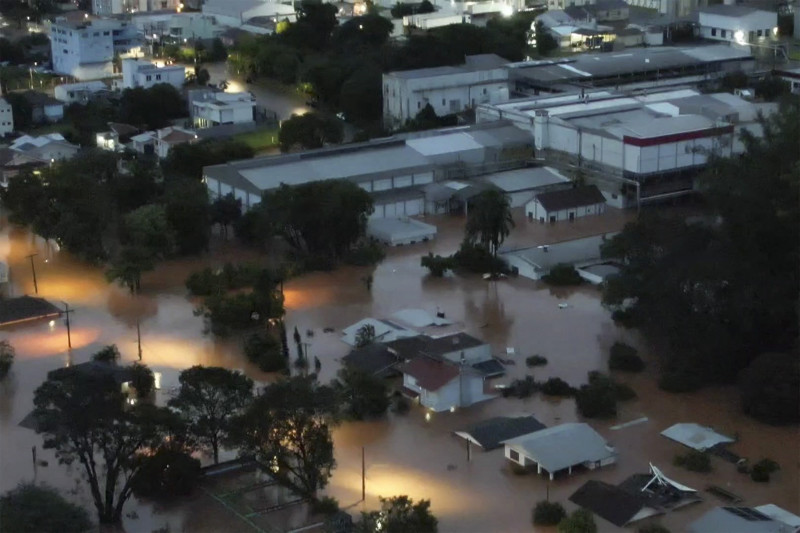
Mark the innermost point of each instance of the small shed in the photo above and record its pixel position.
(567, 204)
(695, 436)
(490, 434)
(561, 448)
(400, 231)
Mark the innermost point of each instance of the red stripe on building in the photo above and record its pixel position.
(677, 137)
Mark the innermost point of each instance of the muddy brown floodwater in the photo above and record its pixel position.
(404, 454)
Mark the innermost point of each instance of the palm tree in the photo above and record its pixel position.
(489, 221)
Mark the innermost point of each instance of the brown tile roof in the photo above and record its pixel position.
(430, 374)
(571, 198)
(177, 136)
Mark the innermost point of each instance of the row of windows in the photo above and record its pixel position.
(149, 77)
(729, 34)
(5, 123)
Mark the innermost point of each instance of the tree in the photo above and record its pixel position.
(21, 111)
(597, 399)
(365, 335)
(322, 218)
(225, 211)
(142, 380)
(699, 288)
(108, 354)
(489, 220)
(563, 274)
(187, 160)
(625, 358)
(168, 473)
(312, 130)
(151, 108)
(399, 514)
(147, 228)
(128, 266)
(545, 43)
(360, 394)
(6, 357)
(264, 350)
(287, 427)
(188, 212)
(83, 417)
(548, 513)
(209, 398)
(580, 521)
(770, 388)
(33, 508)
(360, 97)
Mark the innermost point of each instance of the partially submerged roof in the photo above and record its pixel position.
(419, 318)
(384, 331)
(451, 343)
(781, 515)
(524, 179)
(735, 520)
(570, 198)
(490, 368)
(120, 374)
(490, 434)
(560, 447)
(695, 436)
(431, 374)
(374, 359)
(611, 502)
(25, 308)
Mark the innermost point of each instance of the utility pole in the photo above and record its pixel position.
(363, 476)
(33, 269)
(67, 311)
(139, 339)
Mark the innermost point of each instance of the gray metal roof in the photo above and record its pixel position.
(524, 179)
(490, 434)
(560, 447)
(729, 11)
(737, 520)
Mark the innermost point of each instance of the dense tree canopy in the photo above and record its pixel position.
(208, 399)
(288, 428)
(399, 514)
(360, 395)
(312, 130)
(187, 160)
(151, 108)
(771, 388)
(714, 295)
(40, 509)
(83, 417)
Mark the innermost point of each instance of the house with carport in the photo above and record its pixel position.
(560, 448)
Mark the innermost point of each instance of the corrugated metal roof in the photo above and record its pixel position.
(524, 179)
(560, 447)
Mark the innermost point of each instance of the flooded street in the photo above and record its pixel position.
(404, 454)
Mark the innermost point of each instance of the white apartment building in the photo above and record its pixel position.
(85, 50)
(738, 24)
(119, 7)
(6, 118)
(139, 73)
(213, 109)
(448, 90)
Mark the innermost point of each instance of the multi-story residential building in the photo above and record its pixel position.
(448, 90)
(738, 24)
(86, 50)
(215, 108)
(6, 118)
(119, 7)
(139, 73)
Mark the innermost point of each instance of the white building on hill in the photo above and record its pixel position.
(86, 50)
(6, 118)
(216, 108)
(140, 73)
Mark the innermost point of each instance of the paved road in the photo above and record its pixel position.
(282, 104)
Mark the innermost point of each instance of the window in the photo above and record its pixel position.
(758, 33)
(158, 76)
(724, 36)
(148, 78)
(513, 455)
(105, 33)
(96, 34)
(484, 90)
(387, 89)
(419, 105)
(713, 32)
(444, 102)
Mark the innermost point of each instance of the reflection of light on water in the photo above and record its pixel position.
(49, 343)
(174, 352)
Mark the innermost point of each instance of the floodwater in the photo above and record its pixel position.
(404, 454)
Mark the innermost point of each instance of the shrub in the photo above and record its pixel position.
(437, 264)
(401, 405)
(326, 505)
(556, 387)
(597, 399)
(624, 357)
(40, 509)
(548, 513)
(521, 388)
(366, 253)
(536, 360)
(108, 354)
(580, 521)
(6, 357)
(763, 469)
(264, 351)
(693, 461)
(679, 381)
(563, 275)
(477, 259)
(168, 473)
(624, 392)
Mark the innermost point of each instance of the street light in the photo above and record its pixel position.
(33, 269)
